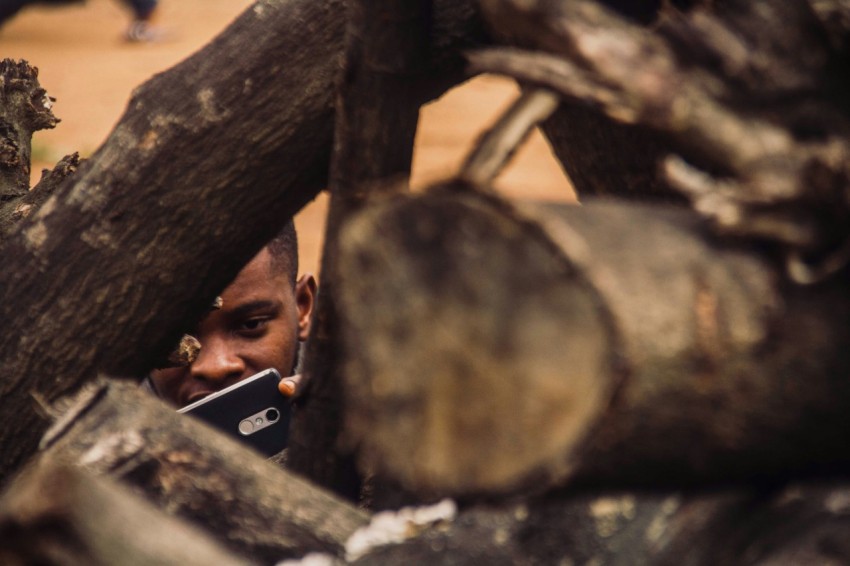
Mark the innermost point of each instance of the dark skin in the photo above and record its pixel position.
(260, 324)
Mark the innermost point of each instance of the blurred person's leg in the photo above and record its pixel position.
(142, 28)
(9, 8)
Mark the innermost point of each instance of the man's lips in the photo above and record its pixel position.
(195, 396)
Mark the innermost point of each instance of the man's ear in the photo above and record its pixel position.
(305, 299)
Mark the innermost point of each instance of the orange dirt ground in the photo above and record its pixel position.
(86, 66)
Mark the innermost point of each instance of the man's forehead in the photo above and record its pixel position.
(258, 280)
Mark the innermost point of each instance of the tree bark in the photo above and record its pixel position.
(188, 469)
(117, 265)
(19, 208)
(515, 347)
(377, 111)
(55, 515)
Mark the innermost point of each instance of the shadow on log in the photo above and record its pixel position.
(520, 346)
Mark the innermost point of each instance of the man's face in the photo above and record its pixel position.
(259, 325)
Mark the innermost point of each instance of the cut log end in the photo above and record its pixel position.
(471, 390)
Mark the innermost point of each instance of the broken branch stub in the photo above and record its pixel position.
(24, 109)
(520, 346)
(497, 146)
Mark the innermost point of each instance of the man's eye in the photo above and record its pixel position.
(253, 325)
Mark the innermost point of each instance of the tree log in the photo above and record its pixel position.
(795, 524)
(377, 111)
(513, 347)
(55, 515)
(115, 267)
(254, 507)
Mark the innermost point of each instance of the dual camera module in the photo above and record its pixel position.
(259, 421)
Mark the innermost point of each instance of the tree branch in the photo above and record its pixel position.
(497, 146)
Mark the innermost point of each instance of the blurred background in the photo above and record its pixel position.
(86, 64)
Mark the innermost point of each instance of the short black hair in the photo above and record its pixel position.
(284, 251)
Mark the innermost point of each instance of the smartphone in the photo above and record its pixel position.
(252, 410)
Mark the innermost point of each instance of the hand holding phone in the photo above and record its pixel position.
(252, 410)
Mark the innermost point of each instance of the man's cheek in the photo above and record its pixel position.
(167, 382)
(269, 352)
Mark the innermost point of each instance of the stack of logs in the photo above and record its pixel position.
(663, 382)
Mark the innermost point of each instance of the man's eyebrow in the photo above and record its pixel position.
(253, 306)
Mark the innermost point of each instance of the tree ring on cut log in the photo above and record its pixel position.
(461, 374)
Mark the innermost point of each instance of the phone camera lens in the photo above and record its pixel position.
(272, 415)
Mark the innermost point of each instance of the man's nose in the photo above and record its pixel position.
(217, 361)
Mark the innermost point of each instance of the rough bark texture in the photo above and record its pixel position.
(113, 268)
(254, 507)
(609, 344)
(55, 515)
(19, 208)
(377, 110)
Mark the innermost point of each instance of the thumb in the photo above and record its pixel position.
(288, 386)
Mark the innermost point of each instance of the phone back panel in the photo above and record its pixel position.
(256, 397)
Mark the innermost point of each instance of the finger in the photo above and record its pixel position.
(289, 385)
